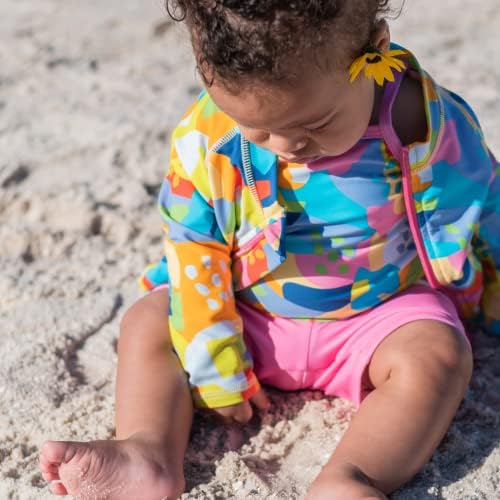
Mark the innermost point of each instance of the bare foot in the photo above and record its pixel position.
(129, 469)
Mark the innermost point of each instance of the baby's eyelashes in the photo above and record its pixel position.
(318, 128)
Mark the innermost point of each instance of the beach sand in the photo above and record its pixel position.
(89, 93)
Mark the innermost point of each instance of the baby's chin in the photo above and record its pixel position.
(302, 160)
(339, 150)
(321, 153)
(319, 156)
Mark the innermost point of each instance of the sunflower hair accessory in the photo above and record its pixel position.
(377, 64)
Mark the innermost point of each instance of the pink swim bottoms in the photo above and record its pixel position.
(332, 356)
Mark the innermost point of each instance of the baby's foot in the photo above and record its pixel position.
(130, 469)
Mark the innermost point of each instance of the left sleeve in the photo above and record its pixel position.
(204, 323)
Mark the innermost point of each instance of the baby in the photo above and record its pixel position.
(331, 220)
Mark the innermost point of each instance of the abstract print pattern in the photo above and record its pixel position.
(348, 243)
(231, 214)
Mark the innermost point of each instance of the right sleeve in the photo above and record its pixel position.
(205, 327)
(489, 236)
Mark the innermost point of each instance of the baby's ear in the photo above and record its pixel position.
(381, 35)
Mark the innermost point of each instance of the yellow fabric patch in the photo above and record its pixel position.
(359, 288)
(445, 271)
(226, 355)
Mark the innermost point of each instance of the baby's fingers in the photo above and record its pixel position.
(243, 413)
(260, 400)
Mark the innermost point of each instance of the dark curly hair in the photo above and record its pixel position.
(241, 40)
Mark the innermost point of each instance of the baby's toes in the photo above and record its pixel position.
(58, 489)
(51, 475)
(52, 455)
(57, 452)
(49, 470)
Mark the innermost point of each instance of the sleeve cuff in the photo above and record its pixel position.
(224, 398)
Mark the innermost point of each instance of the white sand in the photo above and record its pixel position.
(89, 91)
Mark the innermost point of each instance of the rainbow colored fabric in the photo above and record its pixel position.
(348, 243)
(225, 230)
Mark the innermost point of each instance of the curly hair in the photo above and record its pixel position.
(237, 41)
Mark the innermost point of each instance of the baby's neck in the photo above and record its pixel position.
(377, 102)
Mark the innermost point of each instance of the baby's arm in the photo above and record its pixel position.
(204, 324)
(149, 312)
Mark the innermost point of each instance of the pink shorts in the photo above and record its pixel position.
(332, 356)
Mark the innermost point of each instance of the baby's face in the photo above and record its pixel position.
(322, 115)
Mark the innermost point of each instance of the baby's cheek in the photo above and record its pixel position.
(254, 135)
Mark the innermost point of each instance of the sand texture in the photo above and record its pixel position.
(89, 93)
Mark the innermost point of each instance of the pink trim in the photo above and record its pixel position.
(372, 132)
(401, 153)
(388, 133)
(254, 240)
(270, 233)
(159, 287)
(413, 222)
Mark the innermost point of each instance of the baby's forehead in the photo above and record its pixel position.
(265, 105)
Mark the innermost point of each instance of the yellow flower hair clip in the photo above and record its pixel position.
(377, 65)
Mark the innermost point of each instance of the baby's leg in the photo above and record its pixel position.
(419, 373)
(153, 420)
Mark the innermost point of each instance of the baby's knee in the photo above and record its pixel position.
(443, 356)
(148, 317)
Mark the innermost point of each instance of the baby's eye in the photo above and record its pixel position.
(318, 129)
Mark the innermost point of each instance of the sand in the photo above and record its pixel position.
(89, 92)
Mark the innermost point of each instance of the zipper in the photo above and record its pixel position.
(247, 169)
(224, 140)
(410, 201)
(247, 164)
(413, 221)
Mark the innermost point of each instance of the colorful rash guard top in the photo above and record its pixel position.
(348, 242)
(228, 213)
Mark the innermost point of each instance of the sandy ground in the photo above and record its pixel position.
(89, 91)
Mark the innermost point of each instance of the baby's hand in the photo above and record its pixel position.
(242, 412)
